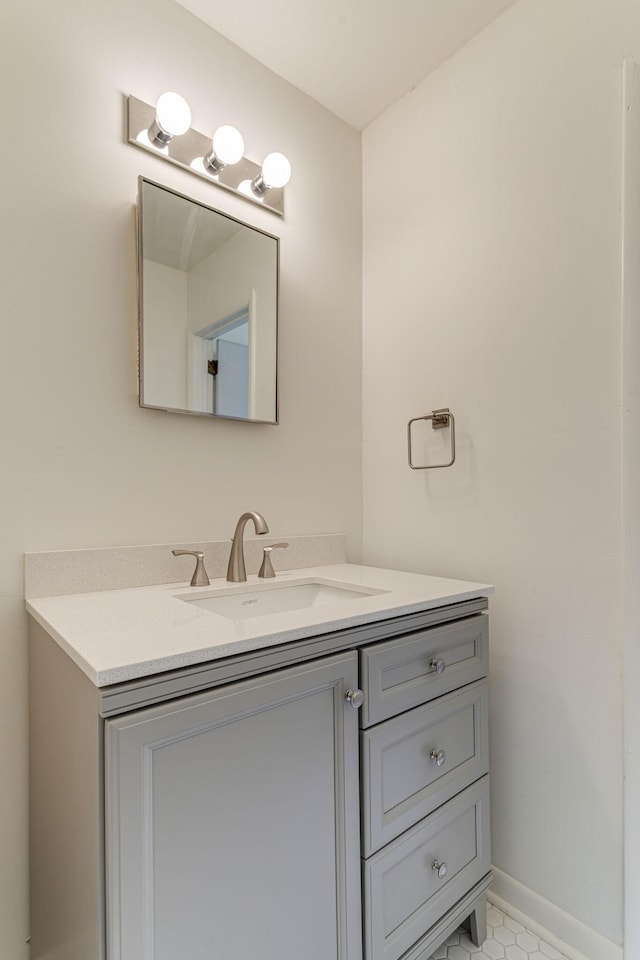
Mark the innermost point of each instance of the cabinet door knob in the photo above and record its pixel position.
(439, 756)
(355, 698)
(438, 665)
(441, 868)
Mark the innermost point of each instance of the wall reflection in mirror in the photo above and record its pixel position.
(208, 310)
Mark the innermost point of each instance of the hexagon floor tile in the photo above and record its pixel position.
(506, 940)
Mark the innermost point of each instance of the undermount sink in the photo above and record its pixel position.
(243, 604)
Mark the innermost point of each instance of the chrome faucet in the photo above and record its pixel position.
(236, 572)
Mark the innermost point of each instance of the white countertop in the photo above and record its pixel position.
(119, 635)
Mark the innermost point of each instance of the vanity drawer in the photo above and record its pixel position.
(402, 673)
(402, 780)
(403, 894)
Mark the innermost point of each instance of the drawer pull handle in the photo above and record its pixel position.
(441, 868)
(438, 665)
(439, 756)
(355, 698)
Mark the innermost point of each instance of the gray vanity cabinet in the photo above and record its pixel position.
(232, 824)
(242, 808)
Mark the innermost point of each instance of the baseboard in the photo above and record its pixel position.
(571, 937)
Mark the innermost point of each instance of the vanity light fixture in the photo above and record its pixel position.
(165, 131)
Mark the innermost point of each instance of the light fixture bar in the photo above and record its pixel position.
(189, 150)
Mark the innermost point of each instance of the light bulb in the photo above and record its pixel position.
(227, 148)
(276, 170)
(228, 144)
(173, 118)
(173, 114)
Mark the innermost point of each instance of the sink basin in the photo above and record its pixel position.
(275, 598)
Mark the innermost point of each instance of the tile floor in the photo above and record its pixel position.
(506, 940)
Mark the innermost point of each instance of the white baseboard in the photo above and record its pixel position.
(571, 937)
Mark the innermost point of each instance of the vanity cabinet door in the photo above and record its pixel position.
(232, 827)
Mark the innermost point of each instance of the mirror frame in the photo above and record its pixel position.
(140, 262)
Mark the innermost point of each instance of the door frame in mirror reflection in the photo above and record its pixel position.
(205, 279)
(229, 391)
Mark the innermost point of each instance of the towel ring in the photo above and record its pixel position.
(439, 420)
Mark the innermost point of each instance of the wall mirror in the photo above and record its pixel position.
(208, 310)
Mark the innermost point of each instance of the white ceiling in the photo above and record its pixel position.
(357, 57)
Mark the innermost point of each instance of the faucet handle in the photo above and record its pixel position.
(199, 578)
(266, 570)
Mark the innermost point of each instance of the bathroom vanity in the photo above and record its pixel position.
(306, 783)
